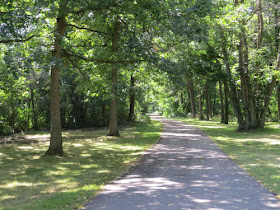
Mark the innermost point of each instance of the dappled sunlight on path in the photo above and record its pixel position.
(184, 170)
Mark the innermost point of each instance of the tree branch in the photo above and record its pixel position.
(96, 9)
(88, 29)
(17, 40)
(100, 60)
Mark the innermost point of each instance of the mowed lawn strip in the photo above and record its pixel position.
(256, 151)
(31, 180)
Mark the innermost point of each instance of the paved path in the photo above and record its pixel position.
(184, 170)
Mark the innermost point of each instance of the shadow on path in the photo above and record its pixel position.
(184, 170)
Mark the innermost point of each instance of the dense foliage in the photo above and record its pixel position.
(76, 64)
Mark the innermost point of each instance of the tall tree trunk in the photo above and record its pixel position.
(207, 102)
(63, 113)
(83, 110)
(243, 71)
(192, 97)
(269, 91)
(200, 104)
(278, 102)
(13, 116)
(55, 147)
(34, 115)
(131, 115)
(277, 27)
(113, 123)
(222, 102)
(260, 24)
(233, 90)
(226, 101)
(103, 113)
(210, 105)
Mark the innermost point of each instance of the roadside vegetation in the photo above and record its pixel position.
(256, 151)
(31, 180)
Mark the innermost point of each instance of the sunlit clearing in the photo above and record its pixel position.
(101, 144)
(56, 173)
(271, 141)
(85, 155)
(6, 197)
(20, 184)
(35, 157)
(103, 171)
(1, 154)
(209, 126)
(62, 181)
(43, 137)
(25, 147)
(77, 145)
(89, 166)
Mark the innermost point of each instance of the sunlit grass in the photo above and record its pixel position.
(30, 180)
(256, 151)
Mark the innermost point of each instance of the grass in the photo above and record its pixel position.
(256, 151)
(30, 180)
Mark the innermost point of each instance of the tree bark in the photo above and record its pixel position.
(55, 147)
(226, 101)
(269, 91)
(192, 97)
(260, 24)
(277, 27)
(131, 115)
(63, 113)
(278, 102)
(103, 113)
(34, 115)
(113, 122)
(233, 93)
(222, 102)
(200, 104)
(243, 71)
(207, 102)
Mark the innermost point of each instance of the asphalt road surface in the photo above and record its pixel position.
(184, 170)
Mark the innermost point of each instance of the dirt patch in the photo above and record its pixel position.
(23, 139)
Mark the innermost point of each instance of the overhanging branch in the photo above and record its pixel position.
(100, 60)
(17, 40)
(88, 29)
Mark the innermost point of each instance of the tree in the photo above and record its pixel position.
(56, 147)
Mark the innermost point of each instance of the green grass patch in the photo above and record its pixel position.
(31, 180)
(256, 151)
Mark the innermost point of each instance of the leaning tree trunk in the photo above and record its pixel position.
(113, 122)
(131, 115)
(55, 147)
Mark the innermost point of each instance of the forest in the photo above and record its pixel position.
(81, 64)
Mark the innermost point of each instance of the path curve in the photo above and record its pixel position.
(184, 170)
